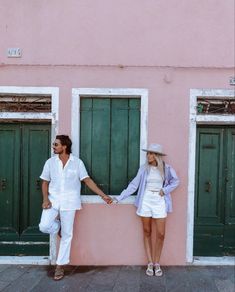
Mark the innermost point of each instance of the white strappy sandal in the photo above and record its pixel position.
(158, 270)
(149, 270)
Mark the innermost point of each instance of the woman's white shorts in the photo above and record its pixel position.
(153, 205)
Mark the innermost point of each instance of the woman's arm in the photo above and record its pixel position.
(132, 186)
(172, 183)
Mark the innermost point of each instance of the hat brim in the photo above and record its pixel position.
(150, 150)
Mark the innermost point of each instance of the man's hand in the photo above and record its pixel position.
(107, 199)
(46, 204)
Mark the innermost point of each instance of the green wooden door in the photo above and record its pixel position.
(229, 227)
(214, 233)
(110, 141)
(23, 150)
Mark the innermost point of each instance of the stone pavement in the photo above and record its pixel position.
(17, 278)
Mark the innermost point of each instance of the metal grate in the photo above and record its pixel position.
(25, 104)
(215, 106)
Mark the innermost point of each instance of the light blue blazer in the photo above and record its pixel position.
(171, 181)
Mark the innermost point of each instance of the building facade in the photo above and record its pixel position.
(115, 76)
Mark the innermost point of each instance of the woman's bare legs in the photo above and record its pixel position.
(147, 229)
(159, 224)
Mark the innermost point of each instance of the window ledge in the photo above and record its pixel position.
(213, 261)
(24, 260)
(97, 200)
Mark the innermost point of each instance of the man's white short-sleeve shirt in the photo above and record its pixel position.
(64, 183)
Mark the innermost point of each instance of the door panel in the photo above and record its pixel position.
(9, 182)
(230, 177)
(209, 176)
(208, 237)
(36, 146)
(27, 145)
(214, 200)
(229, 229)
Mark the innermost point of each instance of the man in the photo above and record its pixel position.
(61, 184)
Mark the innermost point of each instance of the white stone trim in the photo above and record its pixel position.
(25, 242)
(215, 119)
(52, 92)
(25, 116)
(97, 200)
(213, 261)
(195, 119)
(27, 260)
(77, 93)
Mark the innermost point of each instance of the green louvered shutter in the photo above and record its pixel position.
(110, 141)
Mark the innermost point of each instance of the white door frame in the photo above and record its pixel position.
(194, 120)
(53, 116)
(77, 93)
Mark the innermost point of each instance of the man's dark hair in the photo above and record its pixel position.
(65, 140)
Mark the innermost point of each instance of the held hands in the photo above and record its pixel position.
(46, 204)
(115, 201)
(107, 199)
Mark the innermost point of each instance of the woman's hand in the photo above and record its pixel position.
(46, 204)
(115, 201)
(161, 193)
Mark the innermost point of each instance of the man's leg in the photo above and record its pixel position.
(49, 222)
(67, 220)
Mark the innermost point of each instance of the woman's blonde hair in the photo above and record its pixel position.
(160, 164)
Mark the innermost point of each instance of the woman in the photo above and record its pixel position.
(154, 181)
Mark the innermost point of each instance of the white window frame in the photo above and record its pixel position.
(53, 116)
(194, 120)
(77, 93)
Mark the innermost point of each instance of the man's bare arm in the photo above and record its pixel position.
(92, 186)
(46, 202)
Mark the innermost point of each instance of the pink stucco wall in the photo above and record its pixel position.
(163, 33)
(165, 46)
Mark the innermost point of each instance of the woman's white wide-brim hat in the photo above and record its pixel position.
(156, 148)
